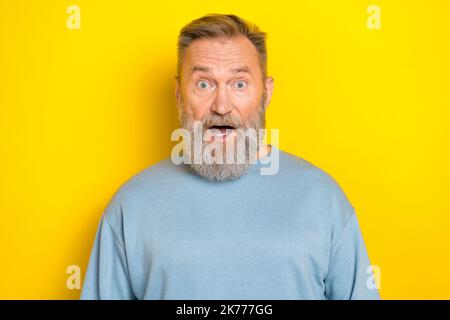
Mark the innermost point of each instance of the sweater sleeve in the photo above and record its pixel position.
(107, 274)
(349, 275)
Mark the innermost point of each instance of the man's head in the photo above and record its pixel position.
(222, 82)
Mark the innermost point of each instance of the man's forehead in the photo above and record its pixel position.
(235, 55)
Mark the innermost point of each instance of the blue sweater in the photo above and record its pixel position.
(168, 233)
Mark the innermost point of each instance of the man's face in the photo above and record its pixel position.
(221, 85)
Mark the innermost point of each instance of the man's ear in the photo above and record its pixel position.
(177, 90)
(268, 86)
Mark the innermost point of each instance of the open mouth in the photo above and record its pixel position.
(221, 131)
(222, 127)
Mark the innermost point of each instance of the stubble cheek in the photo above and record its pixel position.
(247, 107)
(199, 109)
(194, 106)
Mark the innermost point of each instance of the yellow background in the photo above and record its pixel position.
(83, 110)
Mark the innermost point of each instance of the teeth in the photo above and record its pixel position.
(220, 131)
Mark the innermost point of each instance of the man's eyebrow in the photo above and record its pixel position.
(200, 68)
(208, 69)
(241, 69)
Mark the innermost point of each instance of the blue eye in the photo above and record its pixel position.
(203, 84)
(241, 84)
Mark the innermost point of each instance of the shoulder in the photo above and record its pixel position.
(141, 189)
(306, 172)
(319, 184)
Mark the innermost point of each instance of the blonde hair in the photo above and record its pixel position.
(225, 26)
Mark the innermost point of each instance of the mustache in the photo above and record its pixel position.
(211, 120)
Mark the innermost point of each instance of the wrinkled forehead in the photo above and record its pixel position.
(221, 55)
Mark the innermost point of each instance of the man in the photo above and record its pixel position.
(225, 230)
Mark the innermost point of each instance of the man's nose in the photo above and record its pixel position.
(221, 104)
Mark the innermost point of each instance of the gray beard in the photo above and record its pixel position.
(226, 171)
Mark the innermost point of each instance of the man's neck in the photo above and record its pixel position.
(263, 151)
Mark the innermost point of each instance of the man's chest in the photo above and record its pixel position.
(227, 244)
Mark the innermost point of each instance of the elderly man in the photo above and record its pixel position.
(214, 229)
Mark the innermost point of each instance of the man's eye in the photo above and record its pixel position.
(241, 84)
(203, 84)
